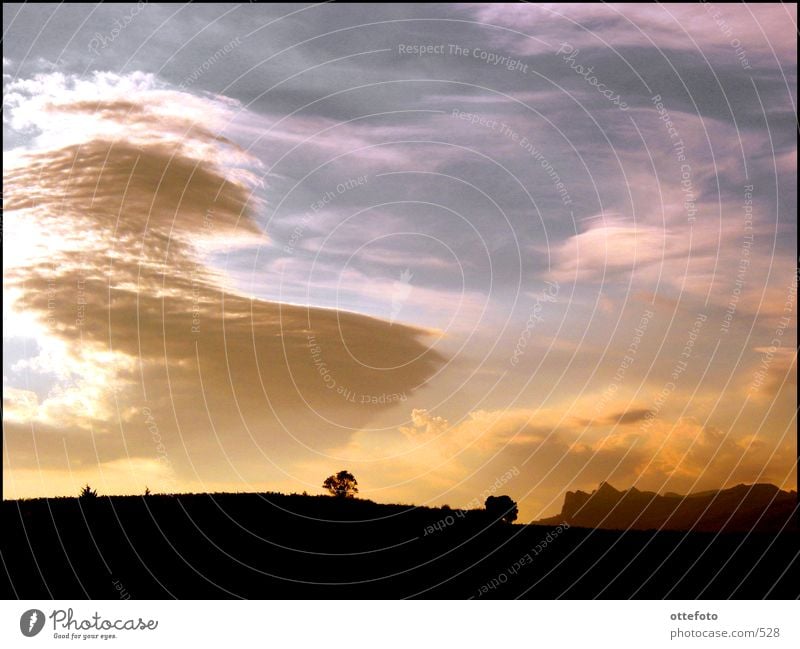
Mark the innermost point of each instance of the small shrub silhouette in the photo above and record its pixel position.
(87, 493)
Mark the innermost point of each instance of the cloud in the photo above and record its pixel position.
(146, 257)
(720, 29)
(437, 460)
(19, 405)
(114, 277)
(629, 417)
(624, 417)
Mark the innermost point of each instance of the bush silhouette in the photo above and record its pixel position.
(502, 508)
(341, 485)
(87, 493)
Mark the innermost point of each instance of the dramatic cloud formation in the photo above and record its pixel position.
(135, 322)
(435, 244)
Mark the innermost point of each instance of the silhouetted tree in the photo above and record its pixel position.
(147, 492)
(341, 485)
(502, 508)
(87, 493)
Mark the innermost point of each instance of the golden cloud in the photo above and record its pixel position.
(110, 270)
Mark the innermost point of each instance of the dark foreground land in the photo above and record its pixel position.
(269, 546)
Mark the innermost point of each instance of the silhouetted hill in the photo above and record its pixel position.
(274, 546)
(743, 508)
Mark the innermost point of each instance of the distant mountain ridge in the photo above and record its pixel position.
(758, 507)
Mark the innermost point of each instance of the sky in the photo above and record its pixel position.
(459, 250)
